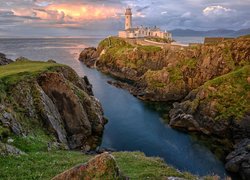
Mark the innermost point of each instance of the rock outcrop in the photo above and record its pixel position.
(169, 73)
(102, 166)
(238, 161)
(53, 99)
(89, 56)
(6, 150)
(4, 60)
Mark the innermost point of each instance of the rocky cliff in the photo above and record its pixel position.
(51, 102)
(169, 73)
(210, 82)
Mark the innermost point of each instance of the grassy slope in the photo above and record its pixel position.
(45, 165)
(16, 71)
(230, 93)
(117, 51)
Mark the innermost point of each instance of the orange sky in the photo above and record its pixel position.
(73, 13)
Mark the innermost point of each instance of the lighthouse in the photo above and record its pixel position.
(128, 19)
(141, 32)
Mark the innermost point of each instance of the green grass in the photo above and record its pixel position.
(39, 165)
(245, 36)
(33, 142)
(160, 40)
(119, 53)
(45, 165)
(113, 42)
(137, 166)
(231, 94)
(17, 71)
(149, 48)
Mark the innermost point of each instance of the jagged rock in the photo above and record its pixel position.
(238, 161)
(22, 59)
(6, 149)
(183, 117)
(102, 166)
(4, 60)
(89, 56)
(60, 102)
(241, 129)
(51, 61)
(170, 73)
(75, 118)
(8, 120)
(53, 119)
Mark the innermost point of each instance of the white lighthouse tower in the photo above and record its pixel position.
(141, 32)
(128, 19)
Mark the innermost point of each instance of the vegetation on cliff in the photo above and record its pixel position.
(210, 83)
(169, 73)
(23, 70)
(230, 94)
(48, 102)
(217, 106)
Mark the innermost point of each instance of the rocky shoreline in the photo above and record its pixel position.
(209, 82)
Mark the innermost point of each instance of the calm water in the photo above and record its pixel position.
(133, 125)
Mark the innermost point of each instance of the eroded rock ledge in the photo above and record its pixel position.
(51, 98)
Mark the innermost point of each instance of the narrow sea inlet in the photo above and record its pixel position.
(133, 125)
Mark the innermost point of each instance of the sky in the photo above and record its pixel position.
(50, 18)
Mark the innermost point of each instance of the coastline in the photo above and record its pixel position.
(135, 74)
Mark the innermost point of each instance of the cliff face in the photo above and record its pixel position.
(219, 107)
(170, 73)
(210, 82)
(50, 99)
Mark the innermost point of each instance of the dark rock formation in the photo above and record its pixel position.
(102, 166)
(89, 56)
(6, 149)
(238, 161)
(57, 100)
(4, 60)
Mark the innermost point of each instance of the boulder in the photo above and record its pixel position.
(4, 60)
(89, 56)
(238, 161)
(102, 166)
(6, 149)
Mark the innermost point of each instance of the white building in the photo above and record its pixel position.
(141, 31)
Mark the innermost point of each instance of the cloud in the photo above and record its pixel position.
(186, 15)
(140, 9)
(216, 11)
(80, 16)
(43, 3)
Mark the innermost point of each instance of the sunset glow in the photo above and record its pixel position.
(84, 12)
